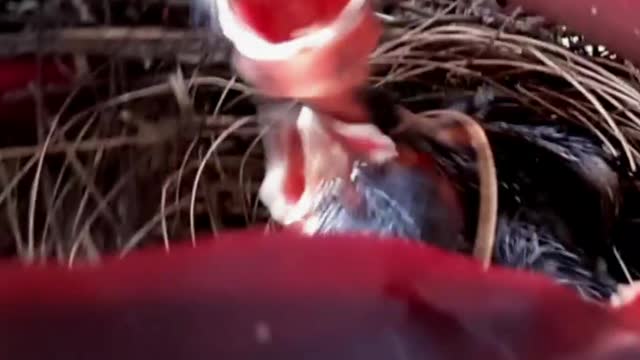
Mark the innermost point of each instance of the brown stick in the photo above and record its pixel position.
(488, 209)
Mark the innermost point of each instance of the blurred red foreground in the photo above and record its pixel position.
(247, 295)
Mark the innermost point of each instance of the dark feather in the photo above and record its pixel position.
(391, 200)
(533, 242)
(559, 193)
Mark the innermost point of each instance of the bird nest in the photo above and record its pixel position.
(153, 141)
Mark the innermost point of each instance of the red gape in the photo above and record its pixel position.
(294, 186)
(304, 49)
(278, 21)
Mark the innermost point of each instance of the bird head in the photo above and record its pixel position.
(320, 155)
(309, 152)
(316, 52)
(324, 175)
(300, 49)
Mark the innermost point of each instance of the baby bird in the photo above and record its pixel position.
(558, 195)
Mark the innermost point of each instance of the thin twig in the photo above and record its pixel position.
(241, 122)
(431, 126)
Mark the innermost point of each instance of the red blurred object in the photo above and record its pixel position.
(305, 49)
(18, 73)
(290, 17)
(613, 23)
(281, 296)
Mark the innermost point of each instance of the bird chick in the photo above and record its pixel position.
(392, 200)
(558, 196)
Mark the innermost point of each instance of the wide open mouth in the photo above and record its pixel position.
(260, 33)
(305, 149)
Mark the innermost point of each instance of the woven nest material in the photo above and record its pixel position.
(155, 142)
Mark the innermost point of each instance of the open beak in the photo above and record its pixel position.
(306, 150)
(303, 50)
(315, 51)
